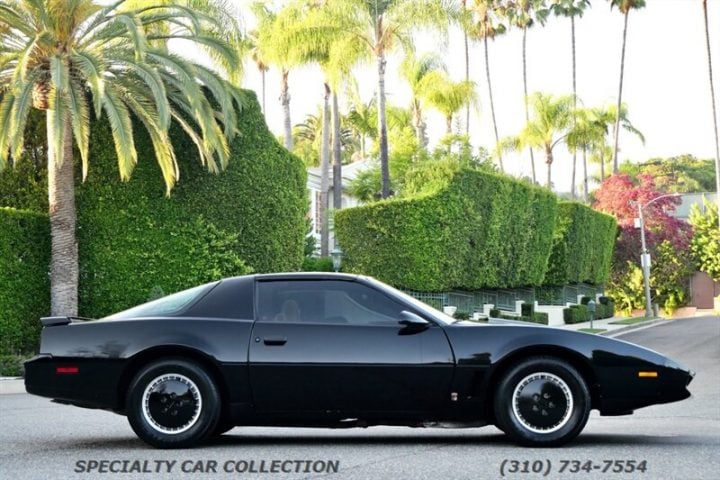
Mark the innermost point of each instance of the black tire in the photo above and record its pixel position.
(222, 427)
(173, 403)
(542, 402)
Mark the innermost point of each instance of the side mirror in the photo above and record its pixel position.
(412, 320)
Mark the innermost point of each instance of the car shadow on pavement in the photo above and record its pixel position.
(233, 440)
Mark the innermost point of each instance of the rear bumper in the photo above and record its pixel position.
(90, 383)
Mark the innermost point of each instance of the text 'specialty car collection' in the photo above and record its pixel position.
(337, 350)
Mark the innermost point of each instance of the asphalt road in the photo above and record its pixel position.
(39, 439)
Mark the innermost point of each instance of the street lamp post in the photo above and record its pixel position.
(336, 255)
(645, 255)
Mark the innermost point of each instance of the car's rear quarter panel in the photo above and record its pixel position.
(107, 353)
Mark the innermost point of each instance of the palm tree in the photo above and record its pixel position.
(549, 125)
(466, 52)
(714, 111)
(571, 9)
(600, 120)
(587, 134)
(257, 59)
(416, 72)
(448, 97)
(336, 53)
(274, 46)
(74, 59)
(523, 14)
(378, 27)
(362, 117)
(624, 6)
(484, 25)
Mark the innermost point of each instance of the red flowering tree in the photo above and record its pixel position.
(619, 195)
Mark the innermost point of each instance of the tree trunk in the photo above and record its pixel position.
(337, 156)
(492, 103)
(619, 102)
(602, 167)
(549, 162)
(285, 100)
(467, 74)
(574, 86)
(324, 177)
(714, 108)
(525, 90)
(448, 125)
(64, 248)
(419, 125)
(382, 127)
(585, 177)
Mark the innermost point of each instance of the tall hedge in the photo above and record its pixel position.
(24, 281)
(477, 230)
(582, 246)
(136, 243)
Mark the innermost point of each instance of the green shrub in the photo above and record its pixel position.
(12, 365)
(527, 309)
(541, 317)
(576, 314)
(582, 246)
(494, 312)
(317, 264)
(462, 315)
(479, 230)
(536, 317)
(24, 280)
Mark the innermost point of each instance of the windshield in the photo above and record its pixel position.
(164, 306)
(419, 305)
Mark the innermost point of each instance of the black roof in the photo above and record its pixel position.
(306, 276)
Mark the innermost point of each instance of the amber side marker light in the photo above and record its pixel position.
(66, 370)
(647, 374)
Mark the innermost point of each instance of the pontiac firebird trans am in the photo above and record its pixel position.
(337, 350)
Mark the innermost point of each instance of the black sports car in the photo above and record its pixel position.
(336, 350)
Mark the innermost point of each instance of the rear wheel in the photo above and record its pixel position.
(542, 402)
(173, 403)
(223, 426)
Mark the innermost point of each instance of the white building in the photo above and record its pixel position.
(349, 173)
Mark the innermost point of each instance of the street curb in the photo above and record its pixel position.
(635, 326)
(11, 385)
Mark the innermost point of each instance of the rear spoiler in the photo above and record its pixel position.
(56, 321)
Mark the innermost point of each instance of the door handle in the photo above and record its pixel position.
(275, 341)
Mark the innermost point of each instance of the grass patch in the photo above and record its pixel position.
(593, 330)
(631, 321)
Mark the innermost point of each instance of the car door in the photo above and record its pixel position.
(337, 346)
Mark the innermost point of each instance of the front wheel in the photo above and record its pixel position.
(173, 403)
(542, 402)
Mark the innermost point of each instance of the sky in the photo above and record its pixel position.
(666, 86)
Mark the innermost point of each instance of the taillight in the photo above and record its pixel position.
(67, 370)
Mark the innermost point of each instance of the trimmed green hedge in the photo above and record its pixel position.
(576, 314)
(134, 241)
(582, 246)
(479, 230)
(24, 280)
(317, 264)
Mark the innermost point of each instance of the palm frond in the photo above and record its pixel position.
(122, 131)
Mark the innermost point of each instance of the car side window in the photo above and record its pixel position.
(325, 301)
(232, 298)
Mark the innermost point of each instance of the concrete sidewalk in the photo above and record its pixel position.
(611, 328)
